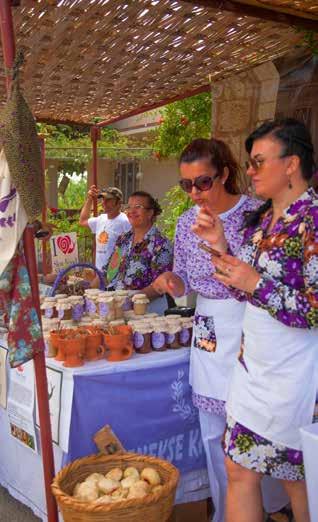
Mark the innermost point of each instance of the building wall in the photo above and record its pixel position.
(158, 176)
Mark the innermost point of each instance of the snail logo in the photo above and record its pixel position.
(65, 244)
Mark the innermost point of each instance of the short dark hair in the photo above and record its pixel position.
(294, 137)
(152, 202)
(296, 140)
(219, 154)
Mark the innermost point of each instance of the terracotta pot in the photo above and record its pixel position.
(94, 346)
(55, 338)
(119, 347)
(74, 351)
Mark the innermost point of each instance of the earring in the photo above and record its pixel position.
(290, 186)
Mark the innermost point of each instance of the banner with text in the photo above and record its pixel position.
(150, 411)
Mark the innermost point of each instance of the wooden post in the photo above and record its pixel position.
(8, 48)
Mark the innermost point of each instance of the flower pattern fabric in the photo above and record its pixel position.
(21, 318)
(287, 260)
(204, 333)
(193, 264)
(140, 264)
(209, 405)
(256, 453)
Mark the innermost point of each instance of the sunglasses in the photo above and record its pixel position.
(201, 183)
(256, 163)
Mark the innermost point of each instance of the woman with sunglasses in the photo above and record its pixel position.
(210, 175)
(141, 254)
(273, 388)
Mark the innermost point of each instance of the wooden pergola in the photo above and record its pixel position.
(97, 61)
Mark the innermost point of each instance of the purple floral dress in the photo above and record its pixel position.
(287, 260)
(136, 266)
(194, 267)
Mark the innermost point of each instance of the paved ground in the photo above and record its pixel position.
(13, 511)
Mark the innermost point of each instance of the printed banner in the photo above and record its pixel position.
(64, 251)
(21, 405)
(149, 410)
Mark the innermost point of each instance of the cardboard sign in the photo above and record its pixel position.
(64, 251)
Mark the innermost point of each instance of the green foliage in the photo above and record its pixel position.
(181, 122)
(309, 40)
(174, 203)
(73, 146)
(74, 195)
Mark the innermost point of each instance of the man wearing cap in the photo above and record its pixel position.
(107, 226)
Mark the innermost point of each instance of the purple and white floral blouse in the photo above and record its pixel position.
(287, 260)
(193, 264)
(195, 268)
(137, 266)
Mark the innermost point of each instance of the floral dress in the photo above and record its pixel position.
(287, 260)
(137, 266)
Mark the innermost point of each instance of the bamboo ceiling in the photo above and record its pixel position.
(87, 59)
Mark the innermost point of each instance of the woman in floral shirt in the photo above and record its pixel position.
(141, 254)
(209, 174)
(273, 389)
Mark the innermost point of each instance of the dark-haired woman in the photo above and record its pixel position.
(209, 174)
(142, 254)
(273, 388)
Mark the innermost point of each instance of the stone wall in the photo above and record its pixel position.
(241, 103)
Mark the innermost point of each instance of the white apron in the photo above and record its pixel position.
(275, 394)
(210, 372)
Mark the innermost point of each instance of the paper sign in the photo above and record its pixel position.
(64, 251)
(21, 405)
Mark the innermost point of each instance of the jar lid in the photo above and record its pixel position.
(142, 300)
(121, 292)
(49, 299)
(137, 297)
(60, 296)
(117, 322)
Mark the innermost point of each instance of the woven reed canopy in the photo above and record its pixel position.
(87, 59)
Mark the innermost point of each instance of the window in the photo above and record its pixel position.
(125, 177)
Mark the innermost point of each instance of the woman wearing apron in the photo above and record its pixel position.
(209, 174)
(273, 387)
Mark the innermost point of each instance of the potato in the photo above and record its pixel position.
(131, 472)
(107, 485)
(87, 492)
(128, 481)
(115, 474)
(151, 476)
(105, 499)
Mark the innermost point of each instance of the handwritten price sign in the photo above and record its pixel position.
(63, 250)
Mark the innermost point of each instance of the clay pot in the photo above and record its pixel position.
(55, 338)
(74, 351)
(94, 346)
(119, 346)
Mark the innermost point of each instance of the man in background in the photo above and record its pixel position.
(107, 226)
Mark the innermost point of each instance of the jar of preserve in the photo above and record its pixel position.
(142, 337)
(158, 338)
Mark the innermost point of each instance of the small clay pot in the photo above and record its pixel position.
(119, 347)
(55, 338)
(94, 346)
(74, 351)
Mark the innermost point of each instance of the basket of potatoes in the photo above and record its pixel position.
(124, 488)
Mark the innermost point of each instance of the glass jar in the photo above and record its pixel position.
(142, 337)
(158, 338)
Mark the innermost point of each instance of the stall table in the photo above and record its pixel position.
(147, 402)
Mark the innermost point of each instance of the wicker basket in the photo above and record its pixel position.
(155, 507)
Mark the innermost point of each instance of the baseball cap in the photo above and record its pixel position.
(110, 193)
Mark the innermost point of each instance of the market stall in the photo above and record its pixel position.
(162, 423)
(70, 92)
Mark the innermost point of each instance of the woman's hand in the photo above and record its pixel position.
(236, 273)
(208, 226)
(169, 283)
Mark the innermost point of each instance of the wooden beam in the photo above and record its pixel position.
(300, 19)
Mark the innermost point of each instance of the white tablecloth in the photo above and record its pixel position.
(21, 469)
